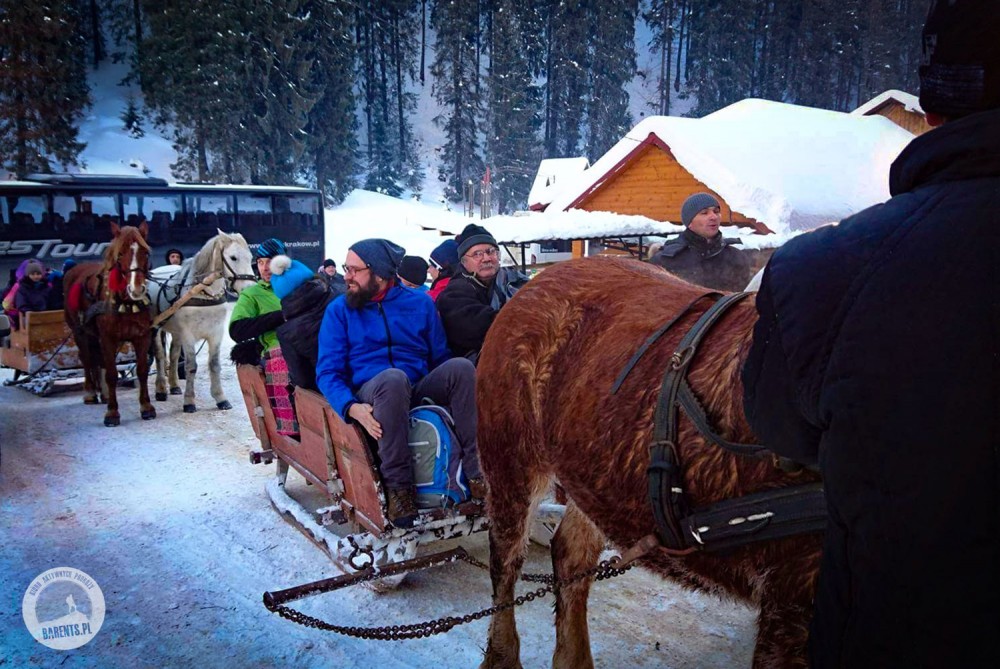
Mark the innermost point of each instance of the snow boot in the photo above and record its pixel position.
(477, 488)
(402, 507)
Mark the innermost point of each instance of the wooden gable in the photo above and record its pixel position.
(651, 182)
(907, 119)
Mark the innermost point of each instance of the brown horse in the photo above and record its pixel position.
(106, 306)
(546, 412)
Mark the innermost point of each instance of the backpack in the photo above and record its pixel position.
(437, 467)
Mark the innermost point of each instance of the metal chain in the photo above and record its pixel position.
(605, 570)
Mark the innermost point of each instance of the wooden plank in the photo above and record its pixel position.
(359, 474)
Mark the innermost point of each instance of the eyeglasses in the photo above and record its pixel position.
(479, 255)
(348, 270)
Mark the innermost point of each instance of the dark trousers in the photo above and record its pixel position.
(451, 385)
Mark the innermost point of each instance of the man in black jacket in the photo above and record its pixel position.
(876, 355)
(475, 296)
(701, 254)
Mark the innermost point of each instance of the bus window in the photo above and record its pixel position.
(208, 210)
(89, 211)
(25, 210)
(255, 211)
(157, 209)
(297, 211)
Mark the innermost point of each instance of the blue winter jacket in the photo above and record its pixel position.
(403, 331)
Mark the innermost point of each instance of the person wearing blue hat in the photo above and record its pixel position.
(443, 264)
(700, 254)
(382, 348)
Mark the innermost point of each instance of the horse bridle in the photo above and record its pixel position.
(771, 514)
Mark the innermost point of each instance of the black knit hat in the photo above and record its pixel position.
(960, 74)
(329, 263)
(170, 252)
(413, 269)
(473, 234)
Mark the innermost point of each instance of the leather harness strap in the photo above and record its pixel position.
(761, 516)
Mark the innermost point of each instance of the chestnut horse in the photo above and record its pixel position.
(107, 305)
(546, 412)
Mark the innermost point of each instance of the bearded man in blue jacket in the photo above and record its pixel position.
(382, 348)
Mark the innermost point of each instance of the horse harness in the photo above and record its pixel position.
(761, 516)
(198, 300)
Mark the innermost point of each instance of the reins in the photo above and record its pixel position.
(727, 524)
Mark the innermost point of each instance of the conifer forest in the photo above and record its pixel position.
(324, 92)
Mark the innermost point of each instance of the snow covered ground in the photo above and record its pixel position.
(173, 523)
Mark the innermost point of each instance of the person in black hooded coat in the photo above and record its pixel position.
(876, 355)
(304, 297)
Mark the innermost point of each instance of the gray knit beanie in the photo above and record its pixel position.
(694, 204)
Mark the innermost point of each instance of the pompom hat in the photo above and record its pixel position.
(287, 275)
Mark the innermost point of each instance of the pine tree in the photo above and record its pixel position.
(132, 119)
(612, 67)
(567, 74)
(454, 70)
(514, 109)
(332, 125)
(43, 85)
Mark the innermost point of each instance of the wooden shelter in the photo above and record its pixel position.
(774, 167)
(901, 108)
(649, 181)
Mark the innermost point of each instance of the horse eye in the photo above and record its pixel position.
(232, 257)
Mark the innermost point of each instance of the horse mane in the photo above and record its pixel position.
(202, 260)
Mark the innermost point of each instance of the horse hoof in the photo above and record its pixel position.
(190, 408)
(149, 415)
(161, 397)
(112, 421)
(176, 391)
(224, 405)
(91, 400)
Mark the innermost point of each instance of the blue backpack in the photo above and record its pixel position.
(437, 467)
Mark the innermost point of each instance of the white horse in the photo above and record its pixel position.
(203, 318)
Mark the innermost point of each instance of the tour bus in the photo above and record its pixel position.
(53, 217)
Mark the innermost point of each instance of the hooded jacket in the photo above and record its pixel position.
(876, 355)
(303, 310)
(401, 331)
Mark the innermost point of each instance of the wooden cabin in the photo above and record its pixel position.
(649, 181)
(901, 108)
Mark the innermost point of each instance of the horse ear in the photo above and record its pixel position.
(144, 230)
(115, 229)
(221, 233)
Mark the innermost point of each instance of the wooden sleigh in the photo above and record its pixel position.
(336, 459)
(44, 355)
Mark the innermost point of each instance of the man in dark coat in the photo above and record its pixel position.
(333, 279)
(701, 254)
(474, 297)
(876, 355)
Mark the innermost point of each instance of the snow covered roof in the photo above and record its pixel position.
(791, 167)
(909, 101)
(553, 171)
